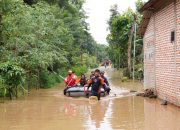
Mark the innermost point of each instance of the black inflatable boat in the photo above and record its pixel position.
(80, 91)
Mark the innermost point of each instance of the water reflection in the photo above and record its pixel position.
(161, 117)
(99, 116)
(129, 113)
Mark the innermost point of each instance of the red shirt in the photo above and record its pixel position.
(70, 80)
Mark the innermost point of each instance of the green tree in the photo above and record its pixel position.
(139, 4)
(121, 26)
(45, 38)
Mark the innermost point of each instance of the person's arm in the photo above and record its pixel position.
(88, 84)
(106, 81)
(65, 80)
(86, 81)
(102, 84)
(77, 80)
(102, 81)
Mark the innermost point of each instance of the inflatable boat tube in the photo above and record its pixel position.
(80, 91)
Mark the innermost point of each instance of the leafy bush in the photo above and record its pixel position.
(138, 71)
(11, 74)
(48, 80)
(11, 77)
(124, 79)
(138, 74)
(126, 73)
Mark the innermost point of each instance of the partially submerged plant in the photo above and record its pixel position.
(12, 76)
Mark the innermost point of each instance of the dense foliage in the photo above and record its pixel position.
(121, 37)
(40, 39)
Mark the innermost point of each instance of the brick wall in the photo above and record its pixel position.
(165, 53)
(162, 69)
(177, 89)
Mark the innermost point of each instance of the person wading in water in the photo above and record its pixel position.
(96, 82)
(106, 83)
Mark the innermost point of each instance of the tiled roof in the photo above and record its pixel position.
(148, 9)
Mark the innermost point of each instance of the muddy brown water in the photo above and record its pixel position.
(50, 110)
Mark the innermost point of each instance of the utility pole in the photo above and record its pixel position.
(134, 52)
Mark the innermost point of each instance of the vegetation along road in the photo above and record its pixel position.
(40, 40)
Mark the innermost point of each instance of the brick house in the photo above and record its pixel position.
(160, 28)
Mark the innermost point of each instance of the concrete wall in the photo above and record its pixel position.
(149, 55)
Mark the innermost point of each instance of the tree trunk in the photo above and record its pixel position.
(39, 80)
(16, 91)
(10, 93)
(130, 47)
(29, 82)
(119, 66)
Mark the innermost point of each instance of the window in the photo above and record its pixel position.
(172, 36)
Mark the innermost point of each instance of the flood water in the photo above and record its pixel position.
(50, 110)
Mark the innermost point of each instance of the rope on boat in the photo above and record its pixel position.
(59, 75)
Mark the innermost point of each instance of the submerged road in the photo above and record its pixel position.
(50, 110)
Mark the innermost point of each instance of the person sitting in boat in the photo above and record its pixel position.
(83, 80)
(95, 82)
(106, 83)
(70, 81)
(92, 74)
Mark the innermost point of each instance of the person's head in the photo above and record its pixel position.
(70, 72)
(83, 76)
(102, 73)
(97, 72)
(92, 72)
